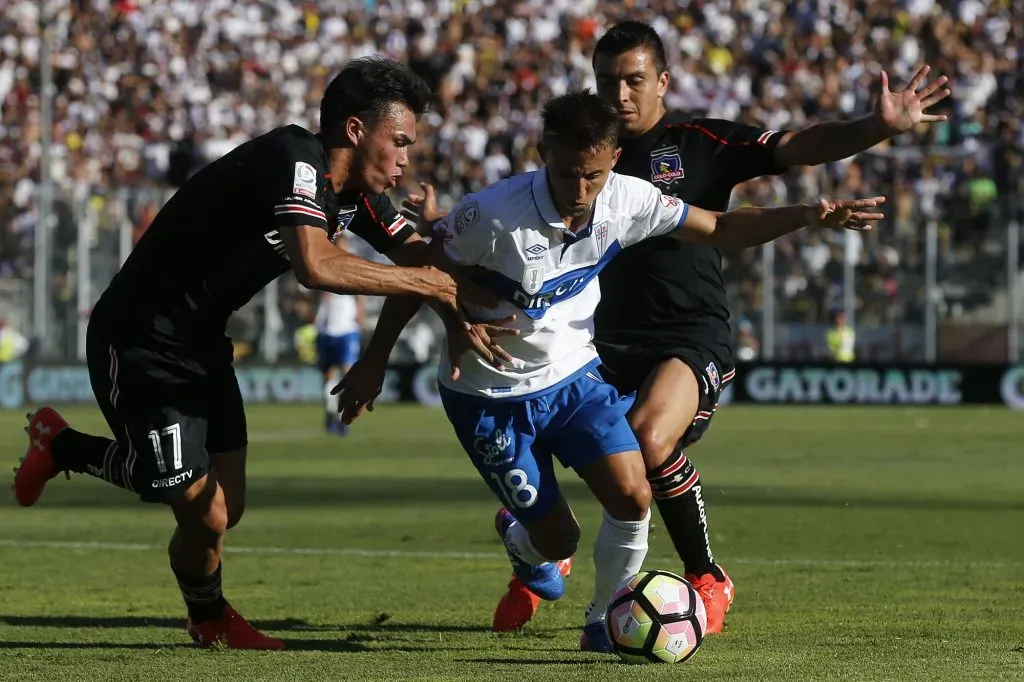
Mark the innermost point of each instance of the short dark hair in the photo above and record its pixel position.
(581, 120)
(629, 35)
(366, 87)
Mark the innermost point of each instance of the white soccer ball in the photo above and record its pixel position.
(656, 617)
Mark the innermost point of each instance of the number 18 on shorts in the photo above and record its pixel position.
(513, 443)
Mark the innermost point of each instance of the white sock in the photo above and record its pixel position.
(618, 554)
(330, 401)
(517, 539)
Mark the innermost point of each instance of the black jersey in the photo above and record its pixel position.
(663, 291)
(215, 244)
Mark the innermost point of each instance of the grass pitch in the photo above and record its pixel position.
(866, 544)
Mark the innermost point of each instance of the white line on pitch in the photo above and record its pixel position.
(493, 556)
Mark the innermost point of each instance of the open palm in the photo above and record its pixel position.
(901, 110)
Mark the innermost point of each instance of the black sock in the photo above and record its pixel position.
(85, 454)
(677, 492)
(202, 596)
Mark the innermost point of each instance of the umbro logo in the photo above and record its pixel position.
(535, 252)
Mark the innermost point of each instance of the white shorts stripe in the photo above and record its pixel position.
(115, 393)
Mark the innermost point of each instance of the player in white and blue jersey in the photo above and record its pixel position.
(541, 239)
(339, 323)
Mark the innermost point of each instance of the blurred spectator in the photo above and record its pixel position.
(13, 344)
(147, 92)
(841, 339)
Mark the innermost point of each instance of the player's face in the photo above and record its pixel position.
(632, 83)
(577, 177)
(382, 150)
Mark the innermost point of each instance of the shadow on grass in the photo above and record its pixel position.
(539, 661)
(397, 492)
(99, 622)
(138, 646)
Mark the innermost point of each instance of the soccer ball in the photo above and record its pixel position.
(655, 617)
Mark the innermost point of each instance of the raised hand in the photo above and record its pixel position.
(900, 111)
(847, 214)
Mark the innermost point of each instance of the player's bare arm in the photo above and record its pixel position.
(319, 265)
(751, 226)
(894, 113)
(463, 334)
(364, 381)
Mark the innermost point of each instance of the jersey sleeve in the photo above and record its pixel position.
(298, 185)
(467, 238)
(379, 223)
(653, 213)
(746, 152)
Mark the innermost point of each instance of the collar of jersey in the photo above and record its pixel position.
(546, 205)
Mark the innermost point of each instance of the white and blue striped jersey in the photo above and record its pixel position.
(546, 274)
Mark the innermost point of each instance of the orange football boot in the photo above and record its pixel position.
(230, 631)
(37, 467)
(716, 595)
(518, 604)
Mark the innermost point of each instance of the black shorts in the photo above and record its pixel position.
(167, 410)
(627, 369)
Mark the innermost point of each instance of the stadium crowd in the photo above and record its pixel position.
(146, 92)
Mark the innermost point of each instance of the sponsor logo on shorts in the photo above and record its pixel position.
(494, 448)
(172, 481)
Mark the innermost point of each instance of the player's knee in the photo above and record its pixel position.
(656, 443)
(202, 509)
(216, 518)
(632, 499)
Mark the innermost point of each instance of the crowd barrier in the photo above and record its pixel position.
(26, 384)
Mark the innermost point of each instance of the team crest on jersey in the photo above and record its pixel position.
(533, 279)
(712, 371)
(601, 235)
(666, 165)
(345, 216)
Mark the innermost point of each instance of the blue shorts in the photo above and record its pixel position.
(337, 351)
(511, 442)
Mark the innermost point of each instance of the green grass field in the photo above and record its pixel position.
(866, 544)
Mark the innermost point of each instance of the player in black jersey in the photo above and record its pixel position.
(159, 360)
(662, 327)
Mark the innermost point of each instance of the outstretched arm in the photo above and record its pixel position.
(751, 226)
(894, 113)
